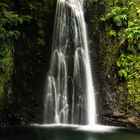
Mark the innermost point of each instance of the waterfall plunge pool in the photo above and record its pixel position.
(68, 132)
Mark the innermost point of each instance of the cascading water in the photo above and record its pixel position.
(70, 97)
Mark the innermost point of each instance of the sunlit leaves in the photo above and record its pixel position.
(129, 66)
(112, 33)
(118, 15)
(129, 69)
(10, 19)
(123, 21)
(133, 30)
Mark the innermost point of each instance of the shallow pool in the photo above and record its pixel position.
(68, 133)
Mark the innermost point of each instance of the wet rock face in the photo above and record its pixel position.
(109, 99)
(119, 120)
(24, 105)
(31, 66)
(93, 14)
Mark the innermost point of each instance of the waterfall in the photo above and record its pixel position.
(70, 95)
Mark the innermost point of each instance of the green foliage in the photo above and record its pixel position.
(132, 35)
(33, 8)
(123, 21)
(112, 33)
(37, 10)
(133, 30)
(6, 67)
(118, 15)
(129, 67)
(6, 61)
(22, 20)
(9, 22)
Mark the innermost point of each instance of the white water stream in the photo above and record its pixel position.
(70, 95)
